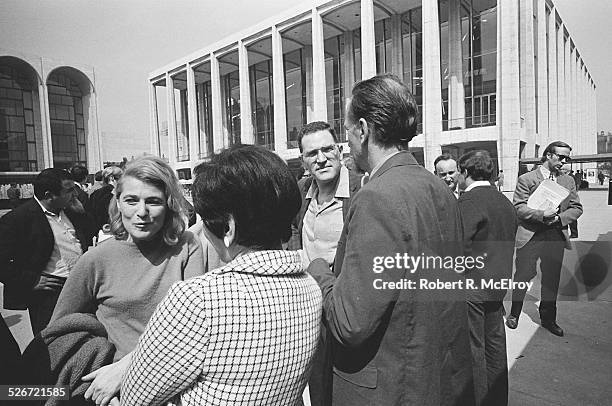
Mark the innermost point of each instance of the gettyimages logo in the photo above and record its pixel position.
(412, 263)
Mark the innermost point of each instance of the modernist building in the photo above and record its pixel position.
(48, 115)
(505, 76)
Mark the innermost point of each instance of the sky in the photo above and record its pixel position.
(125, 40)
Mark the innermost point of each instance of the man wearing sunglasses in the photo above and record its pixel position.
(326, 197)
(543, 235)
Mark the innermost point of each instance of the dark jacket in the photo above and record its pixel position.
(489, 229)
(67, 350)
(397, 346)
(26, 244)
(97, 206)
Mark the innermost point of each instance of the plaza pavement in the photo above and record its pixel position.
(544, 369)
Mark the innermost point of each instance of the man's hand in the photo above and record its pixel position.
(106, 382)
(549, 214)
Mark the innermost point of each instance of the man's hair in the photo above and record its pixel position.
(111, 172)
(50, 180)
(477, 164)
(387, 105)
(99, 176)
(551, 148)
(314, 127)
(153, 171)
(79, 173)
(255, 187)
(443, 157)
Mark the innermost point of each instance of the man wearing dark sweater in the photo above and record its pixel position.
(489, 225)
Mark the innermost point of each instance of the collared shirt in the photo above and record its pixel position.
(241, 334)
(323, 223)
(546, 173)
(477, 183)
(66, 246)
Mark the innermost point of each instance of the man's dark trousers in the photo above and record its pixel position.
(546, 245)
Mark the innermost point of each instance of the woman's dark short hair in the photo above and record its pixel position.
(477, 164)
(50, 180)
(255, 187)
(385, 102)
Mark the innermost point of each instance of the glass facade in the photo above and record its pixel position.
(231, 90)
(67, 121)
(477, 44)
(295, 94)
(17, 129)
(412, 54)
(383, 45)
(205, 126)
(334, 63)
(182, 124)
(262, 103)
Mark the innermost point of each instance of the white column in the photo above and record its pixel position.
(172, 133)
(456, 93)
(592, 135)
(217, 104)
(94, 150)
(349, 64)
(571, 98)
(397, 64)
(318, 67)
(432, 92)
(307, 61)
(527, 82)
(508, 91)
(45, 118)
(246, 121)
(542, 76)
(368, 45)
(577, 106)
(278, 78)
(553, 122)
(154, 121)
(567, 134)
(192, 118)
(561, 113)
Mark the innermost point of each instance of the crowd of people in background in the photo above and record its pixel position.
(272, 290)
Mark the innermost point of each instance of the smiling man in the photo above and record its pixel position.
(326, 197)
(543, 235)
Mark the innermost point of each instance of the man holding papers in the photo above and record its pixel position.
(542, 232)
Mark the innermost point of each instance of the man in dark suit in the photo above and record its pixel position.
(489, 228)
(542, 234)
(40, 241)
(394, 346)
(326, 198)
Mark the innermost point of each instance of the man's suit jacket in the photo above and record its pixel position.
(26, 244)
(295, 243)
(489, 228)
(397, 346)
(531, 220)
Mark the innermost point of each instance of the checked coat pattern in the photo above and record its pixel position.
(243, 334)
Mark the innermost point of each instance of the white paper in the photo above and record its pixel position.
(548, 196)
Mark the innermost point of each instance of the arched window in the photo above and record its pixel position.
(67, 121)
(17, 118)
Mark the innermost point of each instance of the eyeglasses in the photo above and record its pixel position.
(562, 157)
(329, 151)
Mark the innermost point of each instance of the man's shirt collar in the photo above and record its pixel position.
(342, 189)
(477, 183)
(382, 162)
(47, 212)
